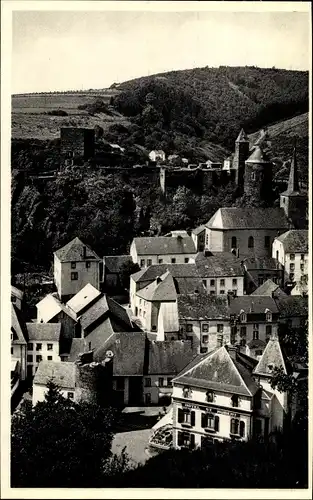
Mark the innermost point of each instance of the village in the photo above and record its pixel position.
(199, 338)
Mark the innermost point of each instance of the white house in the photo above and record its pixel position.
(147, 251)
(63, 375)
(291, 250)
(157, 155)
(43, 344)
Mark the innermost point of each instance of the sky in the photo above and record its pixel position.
(59, 50)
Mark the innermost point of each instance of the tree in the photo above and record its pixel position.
(126, 270)
(60, 443)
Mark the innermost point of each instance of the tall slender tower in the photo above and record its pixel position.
(258, 176)
(240, 156)
(293, 200)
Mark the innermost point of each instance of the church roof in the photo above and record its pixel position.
(258, 156)
(74, 251)
(242, 137)
(271, 358)
(248, 218)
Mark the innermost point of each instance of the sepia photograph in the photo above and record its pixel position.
(155, 233)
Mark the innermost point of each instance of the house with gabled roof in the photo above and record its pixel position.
(75, 265)
(43, 344)
(246, 231)
(146, 251)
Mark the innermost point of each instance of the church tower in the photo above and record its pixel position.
(293, 201)
(258, 176)
(240, 156)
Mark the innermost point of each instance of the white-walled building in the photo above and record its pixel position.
(43, 344)
(147, 251)
(157, 155)
(291, 250)
(62, 374)
(75, 265)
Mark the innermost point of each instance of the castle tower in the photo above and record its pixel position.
(293, 201)
(240, 156)
(258, 176)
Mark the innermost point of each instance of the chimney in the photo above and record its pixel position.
(158, 280)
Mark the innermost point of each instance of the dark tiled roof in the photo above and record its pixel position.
(17, 327)
(267, 288)
(219, 264)
(248, 218)
(73, 251)
(106, 307)
(295, 240)
(292, 306)
(119, 314)
(169, 357)
(62, 373)
(255, 343)
(202, 306)
(189, 285)
(198, 229)
(254, 304)
(128, 349)
(272, 357)
(94, 313)
(252, 263)
(162, 289)
(78, 346)
(44, 331)
(114, 263)
(164, 245)
(219, 371)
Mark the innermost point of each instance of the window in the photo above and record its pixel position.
(259, 353)
(70, 395)
(88, 264)
(49, 358)
(169, 381)
(73, 265)
(149, 262)
(29, 358)
(89, 346)
(147, 382)
(173, 260)
(267, 241)
(160, 261)
(139, 312)
(220, 328)
(205, 327)
(291, 276)
(203, 350)
(234, 281)
(243, 331)
(148, 398)
(12, 350)
(292, 256)
(255, 334)
(256, 326)
(154, 328)
(204, 283)
(301, 267)
(268, 332)
(190, 339)
(186, 440)
(234, 242)
(187, 392)
(205, 339)
(38, 347)
(212, 292)
(142, 262)
(292, 267)
(120, 383)
(233, 335)
(235, 401)
(234, 292)
(50, 347)
(161, 382)
(302, 256)
(222, 283)
(74, 276)
(222, 292)
(250, 242)
(210, 396)
(30, 346)
(219, 340)
(253, 176)
(212, 282)
(277, 255)
(207, 239)
(186, 417)
(189, 328)
(243, 342)
(234, 426)
(268, 316)
(144, 314)
(38, 359)
(186, 260)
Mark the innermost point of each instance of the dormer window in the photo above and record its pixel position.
(210, 396)
(243, 316)
(268, 315)
(187, 392)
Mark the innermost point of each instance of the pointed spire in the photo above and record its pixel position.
(293, 182)
(242, 137)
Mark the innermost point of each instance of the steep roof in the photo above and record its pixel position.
(49, 307)
(164, 245)
(106, 308)
(293, 187)
(169, 357)
(78, 346)
(258, 156)
(62, 373)
(17, 292)
(248, 218)
(292, 306)
(267, 288)
(262, 263)
(162, 289)
(44, 331)
(202, 306)
(128, 349)
(219, 371)
(114, 263)
(74, 251)
(272, 357)
(119, 314)
(295, 240)
(94, 312)
(242, 137)
(219, 264)
(82, 298)
(198, 229)
(253, 304)
(19, 333)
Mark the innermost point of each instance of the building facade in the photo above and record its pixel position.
(43, 344)
(162, 250)
(291, 249)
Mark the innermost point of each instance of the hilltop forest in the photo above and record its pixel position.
(196, 113)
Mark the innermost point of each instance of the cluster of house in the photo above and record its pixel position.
(200, 330)
(158, 156)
